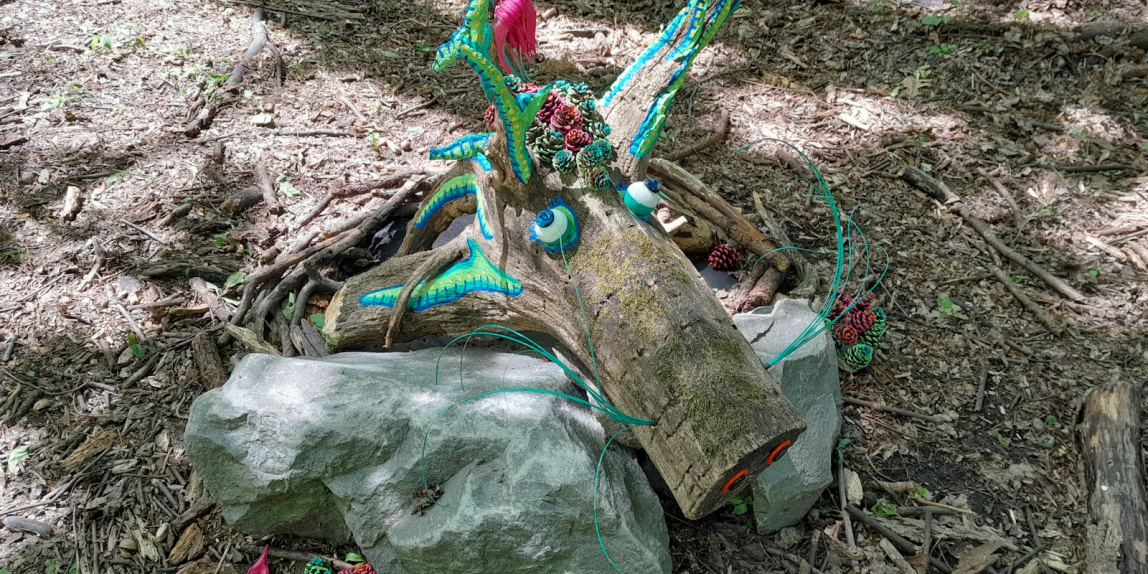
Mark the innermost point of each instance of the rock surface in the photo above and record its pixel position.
(788, 488)
(333, 447)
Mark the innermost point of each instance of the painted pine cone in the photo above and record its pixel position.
(576, 140)
(512, 82)
(529, 88)
(566, 119)
(548, 145)
(862, 319)
(724, 258)
(598, 152)
(846, 335)
(553, 101)
(362, 569)
(858, 356)
(564, 161)
(598, 129)
(599, 178)
(491, 116)
(865, 302)
(317, 566)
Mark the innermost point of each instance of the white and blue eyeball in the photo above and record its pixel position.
(555, 228)
(640, 199)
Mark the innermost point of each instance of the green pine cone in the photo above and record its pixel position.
(858, 356)
(564, 161)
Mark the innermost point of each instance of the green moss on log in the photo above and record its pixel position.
(715, 378)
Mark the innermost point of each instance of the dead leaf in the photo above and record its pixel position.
(976, 560)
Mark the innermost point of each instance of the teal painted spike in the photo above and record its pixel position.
(516, 116)
(465, 147)
(454, 189)
(475, 273)
(645, 58)
(688, 50)
(697, 14)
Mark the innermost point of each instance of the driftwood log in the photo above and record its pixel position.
(623, 299)
(1109, 440)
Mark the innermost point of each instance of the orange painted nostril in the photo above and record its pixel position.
(778, 451)
(735, 480)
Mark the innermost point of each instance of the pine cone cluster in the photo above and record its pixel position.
(858, 329)
(724, 258)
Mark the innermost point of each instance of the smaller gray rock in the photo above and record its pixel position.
(788, 488)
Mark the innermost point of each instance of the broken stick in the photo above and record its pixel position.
(941, 192)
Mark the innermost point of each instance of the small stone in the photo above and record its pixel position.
(263, 120)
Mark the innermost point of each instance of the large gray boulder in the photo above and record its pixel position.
(788, 488)
(333, 448)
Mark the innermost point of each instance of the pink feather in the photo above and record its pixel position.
(260, 566)
(515, 22)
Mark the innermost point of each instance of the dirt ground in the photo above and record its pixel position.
(98, 306)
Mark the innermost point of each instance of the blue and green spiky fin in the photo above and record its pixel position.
(475, 273)
(456, 188)
(471, 43)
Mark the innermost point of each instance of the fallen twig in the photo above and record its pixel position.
(712, 140)
(150, 235)
(889, 409)
(900, 542)
(416, 108)
(267, 186)
(1084, 168)
(1018, 216)
(941, 192)
(1041, 315)
(203, 111)
(808, 282)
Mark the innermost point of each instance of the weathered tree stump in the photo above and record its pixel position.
(614, 290)
(1109, 440)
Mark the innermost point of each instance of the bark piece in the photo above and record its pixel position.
(189, 546)
(211, 369)
(1109, 440)
(242, 200)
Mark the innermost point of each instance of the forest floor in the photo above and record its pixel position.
(94, 98)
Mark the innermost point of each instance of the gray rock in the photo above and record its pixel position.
(788, 488)
(333, 448)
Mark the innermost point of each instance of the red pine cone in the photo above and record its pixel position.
(566, 118)
(846, 334)
(862, 319)
(529, 88)
(362, 569)
(491, 116)
(865, 302)
(724, 258)
(553, 102)
(577, 139)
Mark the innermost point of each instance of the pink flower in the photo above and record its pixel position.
(515, 22)
(260, 566)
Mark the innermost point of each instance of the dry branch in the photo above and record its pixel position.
(1041, 315)
(941, 192)
(267, 187)
(204, 112)
(1108, 434)
(705, 202)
